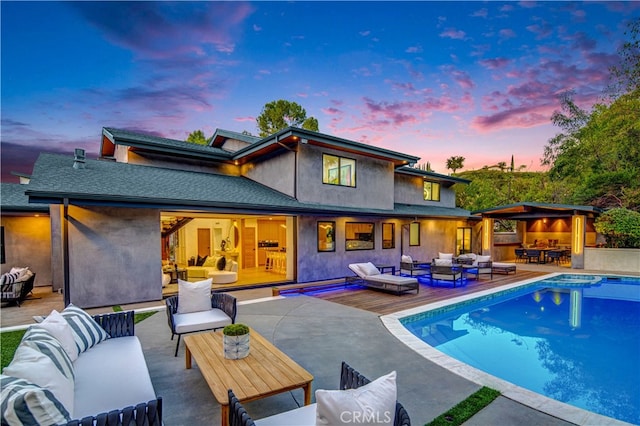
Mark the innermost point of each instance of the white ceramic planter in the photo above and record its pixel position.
(235, 347)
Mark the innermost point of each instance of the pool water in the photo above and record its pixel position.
(573, 338)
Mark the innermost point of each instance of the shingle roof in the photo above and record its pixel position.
(524, 208)
(150, 142)
(107, 182)
(434, 175)
(14, 199)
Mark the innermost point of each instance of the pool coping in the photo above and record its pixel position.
(524, 396)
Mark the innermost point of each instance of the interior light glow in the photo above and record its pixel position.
(578, 234)
(486, 223)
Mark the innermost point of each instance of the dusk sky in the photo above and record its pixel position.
(430, 79)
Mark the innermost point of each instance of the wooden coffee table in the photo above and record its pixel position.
(266, 371)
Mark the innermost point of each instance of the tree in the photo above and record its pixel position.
(620, 227)
(280, 114)
(454, 163)
(626, 75)
(197, 137)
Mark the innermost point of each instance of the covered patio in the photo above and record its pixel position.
(542, 227)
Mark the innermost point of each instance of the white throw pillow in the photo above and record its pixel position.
(483, 259)
(55, 324)
(445, 256)
(86, 331)
(36, 367)
(371, 404)
(443, 262)
(369, 269)
(406, 259)
(194, 297)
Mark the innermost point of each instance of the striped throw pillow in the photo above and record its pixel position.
(24, 403)
(86, 331)
(42, 340)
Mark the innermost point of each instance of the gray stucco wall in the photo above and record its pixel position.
(435, 236)
(410, 190)
(374, 181)
(114, 256)
(27, 242)
(277, 173)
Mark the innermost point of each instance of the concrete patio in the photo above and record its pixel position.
(318, 334)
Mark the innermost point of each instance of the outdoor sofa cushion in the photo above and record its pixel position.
(110, 376)
(198, 321)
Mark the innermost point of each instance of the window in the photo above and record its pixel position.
(326, 236)
(338, 170)
(463, 241)
(359, 236)
(388, 235)
(414, 234)
(431, 191)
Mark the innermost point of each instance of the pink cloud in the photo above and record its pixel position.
(245, 119)
(495, 63)
(453, 33)
(506, 33)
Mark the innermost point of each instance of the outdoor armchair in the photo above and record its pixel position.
(18, 290)
(223, 312)
(349, 379)
(413, 267)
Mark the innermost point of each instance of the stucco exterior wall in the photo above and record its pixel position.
(278, 173)
(410, 190)
(115, 256)
(435, 236)
(613, 260)
(181, 164)
(374, 181)
(27, 242)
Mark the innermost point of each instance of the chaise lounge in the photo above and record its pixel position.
(369, 275)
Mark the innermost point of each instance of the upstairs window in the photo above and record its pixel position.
(431, 191)
(338, 170)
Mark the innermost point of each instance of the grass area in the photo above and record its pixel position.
(467, 408)
(9, 340)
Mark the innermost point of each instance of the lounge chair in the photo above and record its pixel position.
(18, 289)
(349, 379)
(446, 273)
(223, 311)
(369, 275)
(413, 267)
(479, 265)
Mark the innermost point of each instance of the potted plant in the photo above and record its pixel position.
(235, 341)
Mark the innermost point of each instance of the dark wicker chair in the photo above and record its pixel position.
(17, 292)
(238, 416)
(521, 255)
(349, 379)
(222, 301)
(533, 255)
(554, 256)
(415, 267)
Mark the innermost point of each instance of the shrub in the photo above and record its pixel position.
(620, 227)
(235, 330)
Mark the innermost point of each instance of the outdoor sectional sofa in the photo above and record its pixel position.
(107, 384)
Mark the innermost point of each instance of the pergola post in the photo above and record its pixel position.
(487, 236)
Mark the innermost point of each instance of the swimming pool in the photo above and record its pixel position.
(572, 337)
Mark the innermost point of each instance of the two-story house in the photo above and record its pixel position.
(300, 204)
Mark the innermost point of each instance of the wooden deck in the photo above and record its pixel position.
(386, 303)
